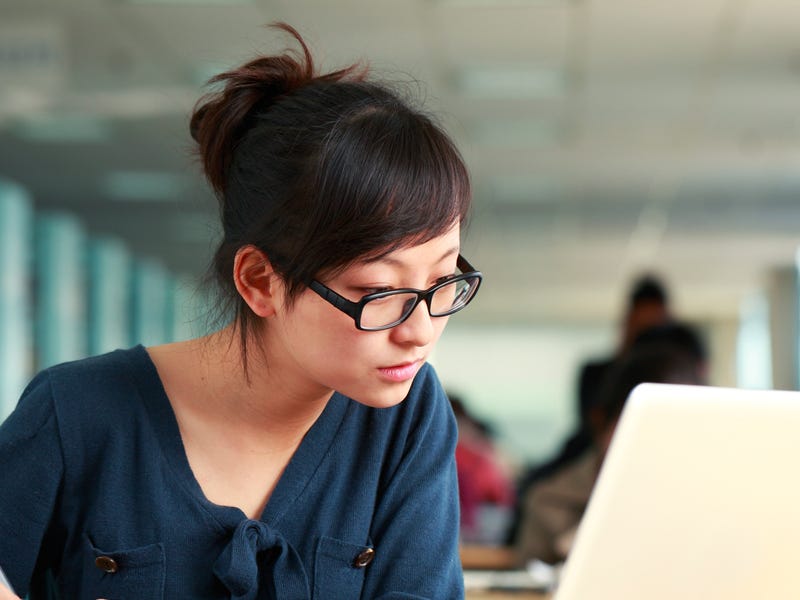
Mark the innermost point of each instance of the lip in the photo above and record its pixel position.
(401, 372)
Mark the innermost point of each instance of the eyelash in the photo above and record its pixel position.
(367, 291)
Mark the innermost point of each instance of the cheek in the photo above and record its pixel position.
(342, 344)
(346, 361)
(328, 338)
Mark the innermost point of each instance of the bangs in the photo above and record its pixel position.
(386, 179)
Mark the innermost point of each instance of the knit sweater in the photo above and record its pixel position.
(98, 499)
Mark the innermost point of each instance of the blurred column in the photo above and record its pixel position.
(16, 329)
(152, 305)
(783, 307)
(60, 289)
(753, 352)
(109, 295)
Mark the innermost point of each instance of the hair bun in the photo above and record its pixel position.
(221, 118)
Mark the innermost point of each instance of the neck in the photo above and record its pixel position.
(263, 406)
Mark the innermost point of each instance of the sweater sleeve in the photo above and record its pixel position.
(416, 526)
(32, 465)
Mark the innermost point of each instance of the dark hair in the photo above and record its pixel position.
(672, 353)
(680, 335)
(318, 171)
(647, 288)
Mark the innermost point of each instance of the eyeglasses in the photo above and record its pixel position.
(384, 310)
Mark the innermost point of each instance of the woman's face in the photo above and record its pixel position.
(319, 347)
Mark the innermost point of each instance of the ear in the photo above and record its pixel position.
(256, 281)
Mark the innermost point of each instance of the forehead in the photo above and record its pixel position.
(433, 250)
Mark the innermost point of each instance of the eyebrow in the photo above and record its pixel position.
(394, 261)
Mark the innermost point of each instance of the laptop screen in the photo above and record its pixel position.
(698, 497)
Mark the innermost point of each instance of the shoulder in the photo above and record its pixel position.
(574, 481)
(106, 370)
(32, 416)
(84, 393)
(597, 366)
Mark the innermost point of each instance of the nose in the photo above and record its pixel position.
(417, 329)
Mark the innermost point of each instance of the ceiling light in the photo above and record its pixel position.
(498, 3)
(530, 133)
(526, 189)
(135, 103)
(70, 129)
(145, 185)
(191, 2)
(511, 82)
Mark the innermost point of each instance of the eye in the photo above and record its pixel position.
(366, 291)
(444, 278)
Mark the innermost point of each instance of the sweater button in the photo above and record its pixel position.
(106, 563)
(364, 558)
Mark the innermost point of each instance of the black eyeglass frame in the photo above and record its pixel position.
(354, 309)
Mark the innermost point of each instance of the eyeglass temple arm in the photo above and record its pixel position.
(340, 302)
(463, 265)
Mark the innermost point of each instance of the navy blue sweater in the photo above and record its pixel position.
(97, 498)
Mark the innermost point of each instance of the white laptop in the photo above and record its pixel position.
(698, 499)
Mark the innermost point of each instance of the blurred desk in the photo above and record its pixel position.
(475, 556)
(498, 595)
(493, 573)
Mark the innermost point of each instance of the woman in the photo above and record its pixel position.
(305, 450)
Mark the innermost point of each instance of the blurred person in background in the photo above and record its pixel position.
(553, 506)
(647, 306)
(486, 491)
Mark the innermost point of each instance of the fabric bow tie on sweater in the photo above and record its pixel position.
(257, 554)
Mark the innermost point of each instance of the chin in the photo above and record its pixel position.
(385, 398)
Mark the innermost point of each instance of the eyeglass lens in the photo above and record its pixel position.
(391, 309)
